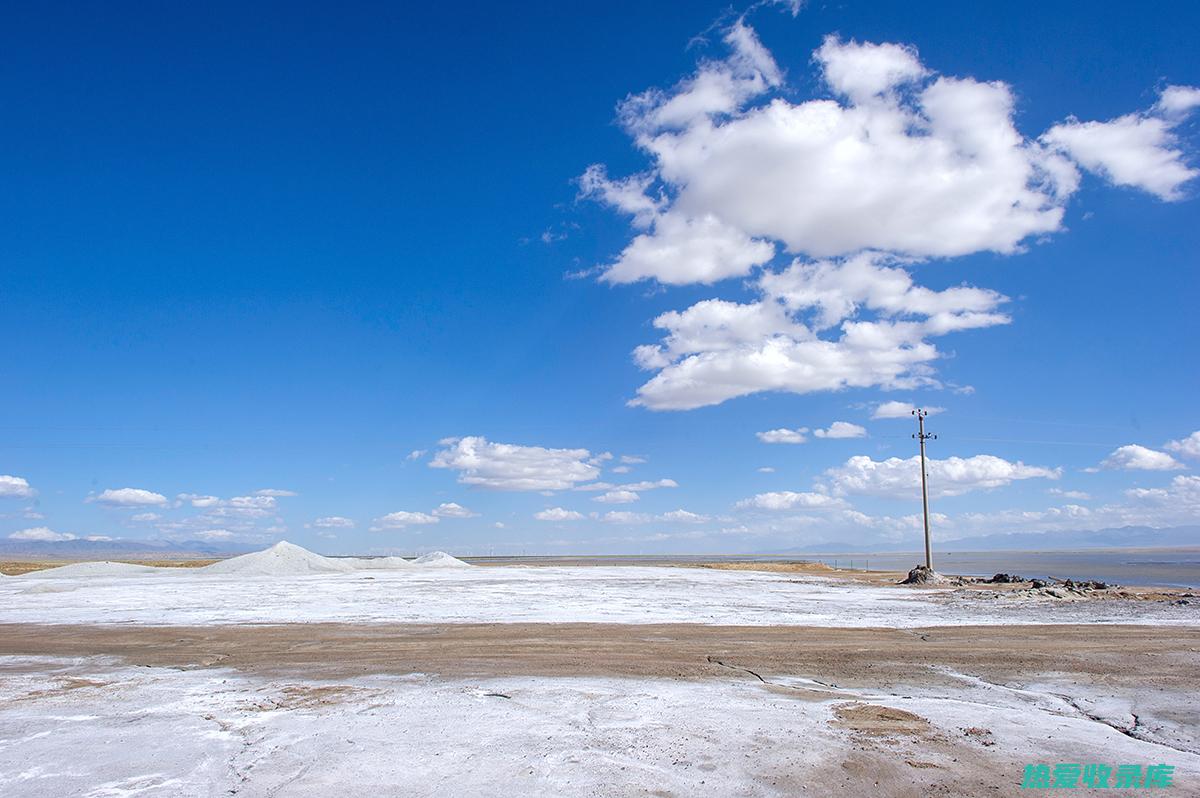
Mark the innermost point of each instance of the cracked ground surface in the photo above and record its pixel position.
(585, 709)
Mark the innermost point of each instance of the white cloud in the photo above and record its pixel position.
(1187, 447)
(275, 493)
(415, 454)
(841, 429)
(818, 326)
(1175, 100)
(1184, 491)
(401, 519)
(790, 500)
(1138, 458)
(865, 72)
(504, 466)
(130, 497)
(1138, 150)
(897, 478)
(685, 250)
(198, 500)
(333, 522)
(783, 435)
(14, 487)
(453, 510)
(679, 516)
(765, 470)
(904, 161)
(1077, 495)
(682, 516)
(617, 497)
(246, 507)
(636, 487)
(215, 534)
(145, 518)
(626, 517)
(558, 514)
(896, 409)
(622, 469)
(632, 459)
(40, 533)
(1176, 504)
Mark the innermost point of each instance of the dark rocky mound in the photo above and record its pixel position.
(924, 576)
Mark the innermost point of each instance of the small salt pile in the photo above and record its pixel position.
(439, 559)
(282, 559)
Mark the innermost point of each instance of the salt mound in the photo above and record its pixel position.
(439, 559)
(94, 569)
(376, 563)
(282, 559)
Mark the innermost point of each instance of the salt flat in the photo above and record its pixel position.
(96, 728)
(174, 596)
(435, 678)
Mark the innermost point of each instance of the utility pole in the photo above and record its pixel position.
(921, 436)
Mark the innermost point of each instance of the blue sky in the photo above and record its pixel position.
(287, 249)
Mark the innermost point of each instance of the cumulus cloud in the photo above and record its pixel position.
(1138, 150)
(215, 534)
(900, 161)
(1138, 458)
(841, 429)
(682, 516)
(198, 500)
(617, 497)
(275, 493)
(129, 497)
(1078, 495)
(453, 510)
(896, 409)
(333, 522)
(954, 476)
(632, 459)
(40, 533)
(14, 487)
(679, 516)
(626, 517)
(636, 487)
(558, 514)
(246, 507)
(790, 500)
(783, 435)
(817, 326)
(1176, 504)
(402, 519)
(505, 466)
(1186, 447)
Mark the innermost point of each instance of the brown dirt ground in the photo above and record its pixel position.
(16, 567)
(1140, 655)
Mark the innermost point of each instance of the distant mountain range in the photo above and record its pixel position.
(1113, 537)
(115, 549)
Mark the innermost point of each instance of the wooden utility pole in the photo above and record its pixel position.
(921, 436)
